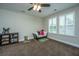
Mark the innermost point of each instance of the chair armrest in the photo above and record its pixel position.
(35, 36)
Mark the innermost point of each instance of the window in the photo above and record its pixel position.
(61, 24)
(53, 25)
(70, 24)
(64, 24)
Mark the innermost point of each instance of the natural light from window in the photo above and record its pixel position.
(53, 25)
(65, 24)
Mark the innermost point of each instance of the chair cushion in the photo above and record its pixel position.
(41, 32)
(45, 33)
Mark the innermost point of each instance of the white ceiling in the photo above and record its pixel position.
(22, 7)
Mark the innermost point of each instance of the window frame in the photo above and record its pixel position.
(52, 25)
(57, 25)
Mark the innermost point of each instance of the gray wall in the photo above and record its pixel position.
(18, 22)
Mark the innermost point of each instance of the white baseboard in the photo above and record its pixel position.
(69, 43)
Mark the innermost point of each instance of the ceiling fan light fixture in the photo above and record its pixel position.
(39, 7)
(35, 7)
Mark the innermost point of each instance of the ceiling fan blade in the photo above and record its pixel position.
(45, 5)
(30, 8)
(30, 3)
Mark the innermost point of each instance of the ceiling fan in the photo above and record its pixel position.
(38, 6)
